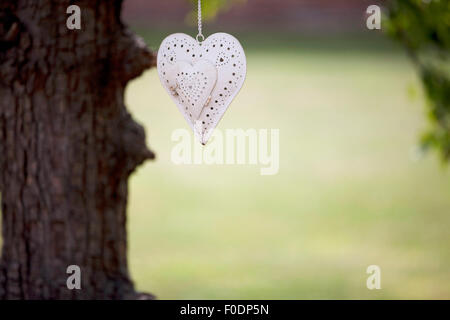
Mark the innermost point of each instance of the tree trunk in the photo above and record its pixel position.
(67, 148)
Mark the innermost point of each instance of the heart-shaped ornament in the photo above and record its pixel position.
(202, 77)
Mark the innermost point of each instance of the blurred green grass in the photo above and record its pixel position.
(351, 191)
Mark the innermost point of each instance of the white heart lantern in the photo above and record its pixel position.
(202, 77)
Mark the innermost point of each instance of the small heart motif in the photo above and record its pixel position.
(194, 85)
(202, 77)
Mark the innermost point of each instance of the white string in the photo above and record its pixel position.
(199, 16)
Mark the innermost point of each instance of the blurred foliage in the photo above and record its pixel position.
(210, 9)
(423, 27)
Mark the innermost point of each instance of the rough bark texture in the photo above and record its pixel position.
(67, 148)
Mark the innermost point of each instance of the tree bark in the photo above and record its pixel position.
(67, 148)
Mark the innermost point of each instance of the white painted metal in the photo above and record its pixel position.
(202, 77)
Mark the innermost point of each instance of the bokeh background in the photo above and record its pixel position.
(353, 187)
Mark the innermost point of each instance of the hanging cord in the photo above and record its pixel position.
(199, 16)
